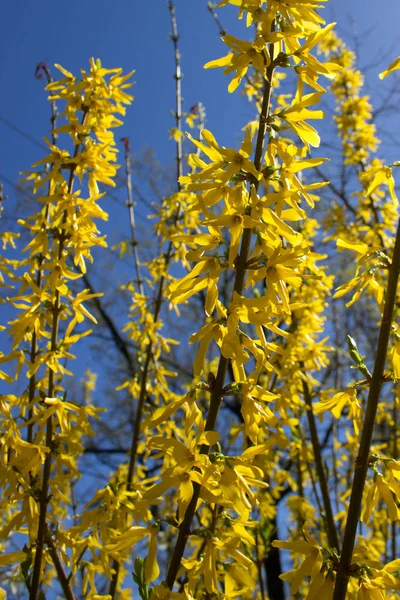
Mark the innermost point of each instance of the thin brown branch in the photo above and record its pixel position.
(168, 256)
(62, 576)
(259, 566)
(215, 16)
(131, 207)
(44, 492)
(217, 392)
(119, 341)
(395, 435)
(323, 483)
(160, 293)
(338, 193)
(41, 67)
(361, 466)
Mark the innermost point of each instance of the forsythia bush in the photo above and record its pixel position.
(192, 511)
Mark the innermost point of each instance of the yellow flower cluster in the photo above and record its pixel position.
(37, 471)
(237, 235)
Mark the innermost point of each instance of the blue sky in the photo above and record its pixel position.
(134, 35)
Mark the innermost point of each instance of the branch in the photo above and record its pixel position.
(217, 393)
(120, 343)
(339, 194)
(221, 29)
(62, 576)
(160, 292)
(395, 457)
(95, 450)
(330, 523)
(361, 467)
(44, 492)
(41, 67)
(273, 567)
(131, 205)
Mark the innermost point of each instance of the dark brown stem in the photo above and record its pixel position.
(160, 293)
(62, 576)
(217, 392)
(44, 493)
(76, 565)
(44, 498)
(168, 256)
(373, 209)
(272, 564)
(334, 463)
(395, 457)
(119, 341)
(259, 569)
(42, 67)
(311, 475)
(33, 350)
(323, 483)
(32, 380)
(361, 466)
(33, 353)
(340, 194)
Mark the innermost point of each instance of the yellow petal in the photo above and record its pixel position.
(392, 67)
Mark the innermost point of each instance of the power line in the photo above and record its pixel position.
(16, 187)
(122, 203)
(27, 136)
(29, 195)
(23, 133)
